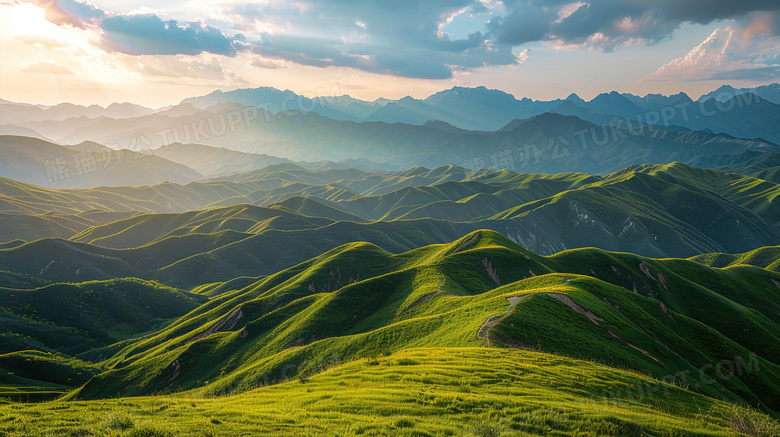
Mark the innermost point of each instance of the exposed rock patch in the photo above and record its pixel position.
(227, 323)
(578, 309)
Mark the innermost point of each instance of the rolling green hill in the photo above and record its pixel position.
(33, 376)
(693, 342)
(657, 316)
(263, 187)
(535, 203)
(764, 257)
(759, 165)
(74, 318)
(421, 391)
(147, 228)
(670, 210)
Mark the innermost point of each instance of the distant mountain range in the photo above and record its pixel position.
(770, 93)
(489, 109)
(85, 165)
(744, 113)
(548, 143)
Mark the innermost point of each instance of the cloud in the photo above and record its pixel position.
(139, 32)
(523, 56)
(150, 35)
(270, 64)
(747, 50)
(706, 11)
(608, 24)
(71, 12)
(408, 38)
(522, 25)
(405, 38)
(47, 68)
(40, 41)
(174, 66)
(759, 74)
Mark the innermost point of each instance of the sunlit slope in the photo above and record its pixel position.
(661, 211)
(422, 391)
(657, 316)
(194, 259)
(31, 212)
(147, 228)
(765, 257)
(668, 210)
(33, 227)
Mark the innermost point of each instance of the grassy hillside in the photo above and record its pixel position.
(428, 340)
(668, 210)
(756, 164)
(34, 212)
(147, 228)
(33, 368)
(23, 227)
(423, 391)
(652, 210)
(663, 317)
(74, 318)
(765, 257)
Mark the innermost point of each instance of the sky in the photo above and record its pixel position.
(158, 53)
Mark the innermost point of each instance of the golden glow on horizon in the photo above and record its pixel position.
(46, 63)
(26, 22)
(24, 19)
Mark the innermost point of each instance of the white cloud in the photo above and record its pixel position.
(523, 56)
(47, 68)
(267, 63)
(566, 10)
(713, 54)
(740, 51)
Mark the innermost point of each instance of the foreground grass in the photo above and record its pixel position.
(431, 391)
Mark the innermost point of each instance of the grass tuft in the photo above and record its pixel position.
(118, 421)
(751, 422)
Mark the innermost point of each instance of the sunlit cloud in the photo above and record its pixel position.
(47, 68)
(114, 46)
(746, 50)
